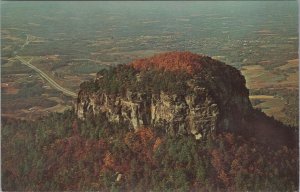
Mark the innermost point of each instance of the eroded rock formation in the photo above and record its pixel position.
(213, 96)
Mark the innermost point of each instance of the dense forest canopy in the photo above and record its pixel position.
(174, 61)
(119, 79)
(63, 152)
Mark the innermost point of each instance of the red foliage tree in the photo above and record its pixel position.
(174, 61)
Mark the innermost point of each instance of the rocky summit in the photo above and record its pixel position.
(178, 92)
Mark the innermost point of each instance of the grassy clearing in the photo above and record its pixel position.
(293, 63)
(272, 106)
(257, 77)
(261, 97)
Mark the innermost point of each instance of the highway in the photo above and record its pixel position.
(45, 76)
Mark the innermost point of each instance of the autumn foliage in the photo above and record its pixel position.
(174, 61)
(63, 153)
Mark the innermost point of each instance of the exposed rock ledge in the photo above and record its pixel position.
(217, 100)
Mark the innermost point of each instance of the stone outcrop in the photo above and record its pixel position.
(216, 99)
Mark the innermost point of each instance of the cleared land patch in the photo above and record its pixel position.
(257, 77)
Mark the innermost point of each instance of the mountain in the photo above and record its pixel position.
(178, 93)
(173, 122)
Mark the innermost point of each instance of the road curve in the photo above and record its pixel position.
(45, 76)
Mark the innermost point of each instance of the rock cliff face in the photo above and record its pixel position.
(213, 97)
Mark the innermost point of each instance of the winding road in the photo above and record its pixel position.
(45, 76)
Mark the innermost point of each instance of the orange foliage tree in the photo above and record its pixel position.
(174, 61)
